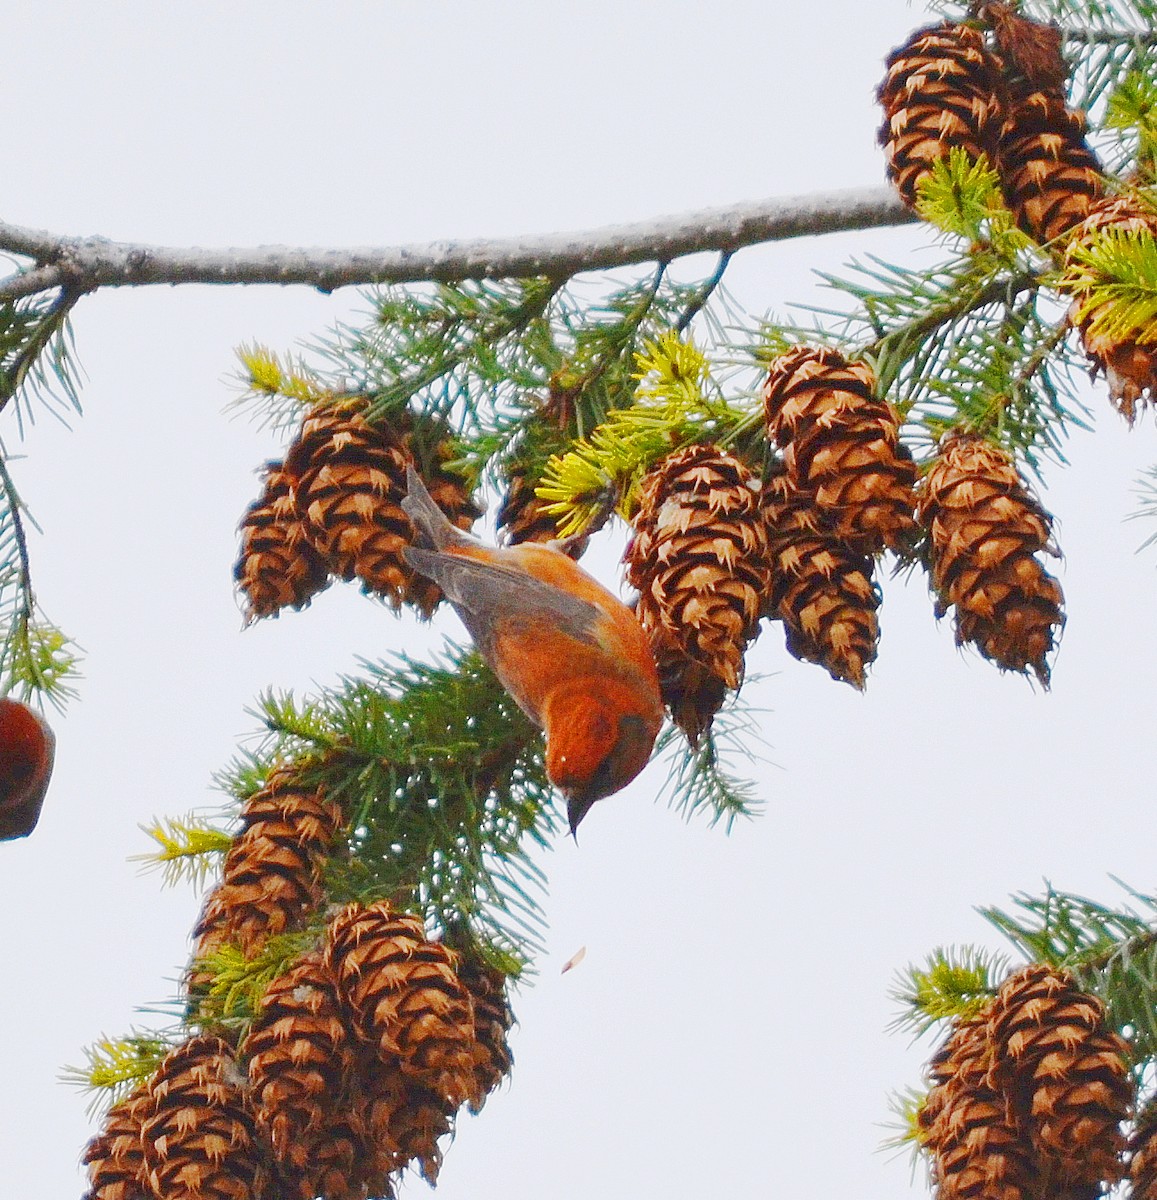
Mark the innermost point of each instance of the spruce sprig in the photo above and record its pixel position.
(954, 983)
(189, 848)
(1113, 275)
(1110, 951)
(38, 353)
(1132, 110)
(445, 785)
(238, 981)
(115, 1066)
(676, 402)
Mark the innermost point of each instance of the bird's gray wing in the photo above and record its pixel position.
(488, 595)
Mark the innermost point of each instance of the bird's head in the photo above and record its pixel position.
(599, 737)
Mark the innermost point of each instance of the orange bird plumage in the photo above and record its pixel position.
(571, 654)
(27, 746)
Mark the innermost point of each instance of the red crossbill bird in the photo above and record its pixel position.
(571, 654)
(27, 746)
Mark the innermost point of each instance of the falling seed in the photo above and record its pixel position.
(574, 960)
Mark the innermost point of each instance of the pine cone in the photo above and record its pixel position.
(976, 1146)
(1050, 176)
(843, 447)
(1067, 1074)
(344, 1163)
(985, 529)
(301, 1059)
(1143, 1156)
(403, 996)
(277, 567)
(199, 1143)
(116, 1156)
(492, 1021)
(352, 480)
(698, 558)
(820, 589)
(1129, 364)
(272, 874)
(938, 92)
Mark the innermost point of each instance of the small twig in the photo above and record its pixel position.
(24, 611)
(32, 281)
(1037, 359)
(704, 294)
(94, 262)
(49, 327)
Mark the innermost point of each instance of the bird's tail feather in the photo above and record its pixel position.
(434, 529)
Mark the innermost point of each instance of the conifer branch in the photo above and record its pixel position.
(87, 263)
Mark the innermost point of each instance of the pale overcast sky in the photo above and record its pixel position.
(725, 1034)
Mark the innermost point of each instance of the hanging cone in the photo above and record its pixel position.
(698, 558)
(1051, 178)
(405, 1122)
(403, 996)
(1130, 362)
(1068, 1076)
(116, 1156)
(820, 589)
(1143, 1156)
(938, 92)
(492, 1021)
(842, 445)
(272, 874)
(352, 479)
(975, 1144)
(300, 1060)
(343, 1163)
(199, 1143)
(277, 567)
(985, 529)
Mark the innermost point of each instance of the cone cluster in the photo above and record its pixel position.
(985, 531)
(1027, 1100)
(187, 1134)
(1129, 362)
(698, 559)
(841, 495)
(354, 1067)
(333, 508)
(1005, 101)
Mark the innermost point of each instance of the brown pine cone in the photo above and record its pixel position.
(272, 875)
(985, 530)
(842, 446)
(820, 589)
(277, 567)
(115, 1157)
(698, 559)
(939, 92)
(199, 1142)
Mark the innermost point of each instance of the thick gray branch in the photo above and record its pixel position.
(89, 263)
